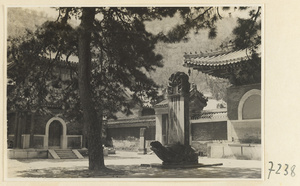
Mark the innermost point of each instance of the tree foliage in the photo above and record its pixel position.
(122, 53)
(248, 32)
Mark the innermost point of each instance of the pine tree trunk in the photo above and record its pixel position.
(84, 135)
(94, 124)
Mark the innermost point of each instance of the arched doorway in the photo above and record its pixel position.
(55, 135)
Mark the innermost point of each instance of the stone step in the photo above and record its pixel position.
(70, 153)
(66, 154)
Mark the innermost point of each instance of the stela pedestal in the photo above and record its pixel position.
(178, 150)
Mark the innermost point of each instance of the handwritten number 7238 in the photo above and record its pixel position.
(286, 169)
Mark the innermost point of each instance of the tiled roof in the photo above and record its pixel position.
(162, 104)
(217, 58)
(145, 121)
(212, 114)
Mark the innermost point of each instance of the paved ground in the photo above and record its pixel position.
(128, 165)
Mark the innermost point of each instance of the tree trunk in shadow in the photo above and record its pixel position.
(94, 124)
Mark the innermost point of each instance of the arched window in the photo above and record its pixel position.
(250, 105)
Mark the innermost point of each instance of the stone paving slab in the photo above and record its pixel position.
(128, 165)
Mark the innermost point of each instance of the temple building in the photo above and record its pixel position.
(244, 124)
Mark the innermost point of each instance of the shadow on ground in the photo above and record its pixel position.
(136, 171)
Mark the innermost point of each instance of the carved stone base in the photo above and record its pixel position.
(176, 154)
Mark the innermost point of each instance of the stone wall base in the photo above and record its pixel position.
(234, 151)
(27, 154)
(130, 145)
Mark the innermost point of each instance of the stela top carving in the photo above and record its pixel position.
(179, 84)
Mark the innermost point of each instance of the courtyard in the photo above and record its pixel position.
(90, 98)
(125, 164)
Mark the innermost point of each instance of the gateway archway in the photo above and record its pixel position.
(56, 134)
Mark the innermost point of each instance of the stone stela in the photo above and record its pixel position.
(178, 151)
(178, 104)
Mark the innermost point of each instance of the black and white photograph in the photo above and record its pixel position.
(126, 92)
